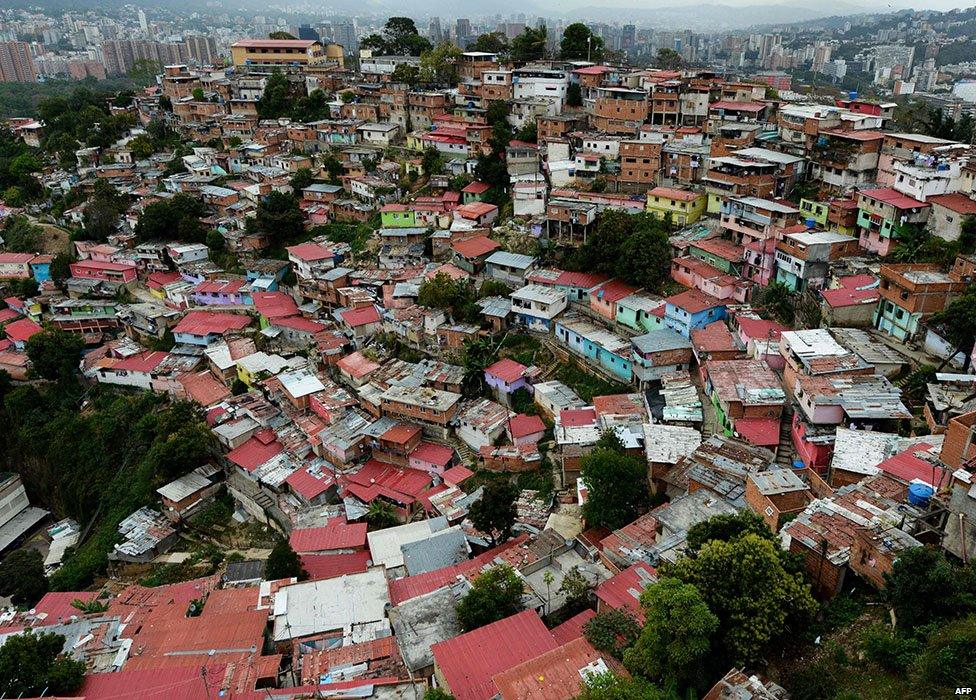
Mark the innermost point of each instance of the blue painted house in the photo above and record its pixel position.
(267, 273)
(598, 346)
(41, 268)
(692, 309)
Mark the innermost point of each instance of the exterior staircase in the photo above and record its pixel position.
(784, 451)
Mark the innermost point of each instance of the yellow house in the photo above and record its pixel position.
(277, 52)
(684, 206)
(258, 366)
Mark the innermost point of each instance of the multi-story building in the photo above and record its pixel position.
(16, 63)
(844, 159)
(640, 163)
(803, 259)
(277, 53)
(912, 293)
(619, 110)
(881, 212)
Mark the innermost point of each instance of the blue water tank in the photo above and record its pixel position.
(919, 494)
(853, 94)
(798, 464)
(811, 223)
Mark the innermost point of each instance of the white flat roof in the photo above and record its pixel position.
(384, 545)
(314, 607)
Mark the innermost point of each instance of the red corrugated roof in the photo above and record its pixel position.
(522, 425)
(763, 432)
(335, 535)
(906, 466)
(274, 305)
(553, 675)
(206, 322)
(573, 627)
(409, 587)
(143, 362)
(255, 452)
(892, 197)
(308, 486)
(959, 203)
(469, 661)
(361, 317)
(507, 369)
(21, 330)
(457, 475)
(180, 683)
(694, 301)
(432, 453)
(475, 247)
(357, 365)
(623, 590)
(843, 297)
(612, 291)
(576, 417)
(310, 252)
(321, 566)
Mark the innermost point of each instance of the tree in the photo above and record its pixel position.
(282, 35)
(61, 267)
(103, 210)
(172, 219)
(617, 488)
(494, 513)
(613, 630)
(141, 147)
(957, 322)
(775, 301)
(674, 646)
(576, 589)
(22, 577)
(398, 38)
(529, 46)
(604, 247)
(381, 514)
(439, 64)
(437, 694)
(494, 595)
(280, 217)
(923, 587)
(574, 95)
(613, 686)
(492, 42)
(20, 235)
(727, 527)
(746, 586)
(406, 73)
(442, 292)
(284, 562)
(645, 259)
(667, 59)
(33, 663)
(948, 660)
(301, 179)
(276, 99)
(579, 43)
(144, 71)
(432, 161)
(528, 133)
(54, 353)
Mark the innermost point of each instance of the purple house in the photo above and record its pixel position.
(505, 377)
(222, 292)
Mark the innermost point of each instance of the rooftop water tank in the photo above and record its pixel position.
(919, 494)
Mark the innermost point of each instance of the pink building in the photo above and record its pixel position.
(604, 298)
(122, 273)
